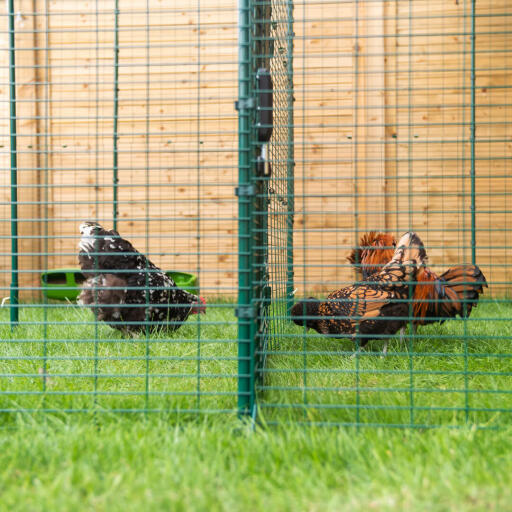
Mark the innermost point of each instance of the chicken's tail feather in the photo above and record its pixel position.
(452, 294)
(468, 282)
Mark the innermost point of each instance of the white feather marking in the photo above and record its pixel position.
(87, 230)
(86, 245)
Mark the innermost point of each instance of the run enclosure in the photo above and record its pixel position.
(124, 114)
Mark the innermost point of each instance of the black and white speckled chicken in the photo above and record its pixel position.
(125, 289)
(374, 309)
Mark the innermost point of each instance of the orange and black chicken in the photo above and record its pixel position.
(373, 309)
(436, 298)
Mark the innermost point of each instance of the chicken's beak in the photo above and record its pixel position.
(199, 306)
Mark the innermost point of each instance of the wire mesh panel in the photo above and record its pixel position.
(273, 165)
(265, 190)
(125, 117)
(401, 124)
(353, 116)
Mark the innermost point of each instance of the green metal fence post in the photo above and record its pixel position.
(14, 291)
(473, 135)
(246, 332)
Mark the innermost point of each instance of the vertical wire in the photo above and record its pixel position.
(45, 188)
(473, 133)
(97, 180)
(305, 210)
(409, 195)
(397, 130)
(14, 291)
(147, 203)
(463, 157)
(487, 26)
(115, 177)
(505, 160)
(355, 137)
(198, 187)
(491, 105)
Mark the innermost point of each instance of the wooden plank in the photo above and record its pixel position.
(332, 134)
(375, 115)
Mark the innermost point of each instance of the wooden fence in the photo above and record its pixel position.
(382, 132)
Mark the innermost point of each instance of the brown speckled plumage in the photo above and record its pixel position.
(436, 298)
(373, 309)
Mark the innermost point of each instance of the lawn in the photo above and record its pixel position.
(59, 360)
(95, 421)
(446, 374)
(149, 464)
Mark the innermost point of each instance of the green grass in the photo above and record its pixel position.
(151, 465)
(93, 369)
(448, 379)
(451, 374)
(170, 459)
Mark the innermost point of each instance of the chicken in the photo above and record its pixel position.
(106, 293)
(373, 309)
(374, 251)
(125, 289)
(453, 293)
(436, 298)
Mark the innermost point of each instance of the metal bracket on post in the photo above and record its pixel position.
(245, 312)
(245, 191)
(245, 104)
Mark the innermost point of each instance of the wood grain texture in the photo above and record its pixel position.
(382, 133)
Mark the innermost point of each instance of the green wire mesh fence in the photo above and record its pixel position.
(266, 181)
(351, 116)
(125, 116)
(401, 124)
